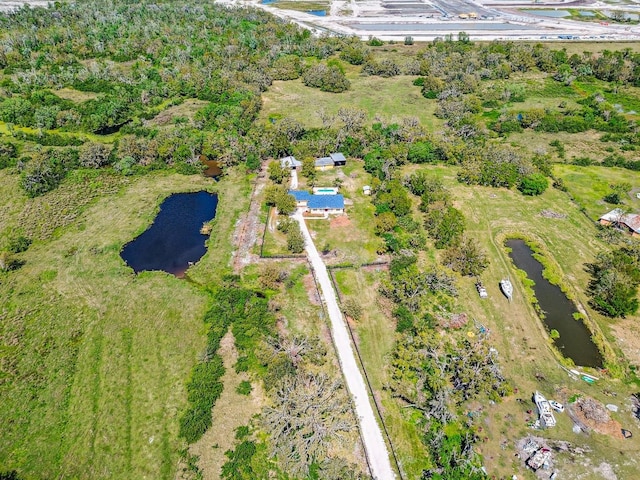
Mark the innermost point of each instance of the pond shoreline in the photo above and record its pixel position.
(559, 313)
(174, 241)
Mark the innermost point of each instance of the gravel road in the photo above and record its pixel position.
(371, 434)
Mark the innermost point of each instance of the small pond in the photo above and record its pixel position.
(575, 339)
(213, 167)
(110, 129)
(173, 241)
(318, 13)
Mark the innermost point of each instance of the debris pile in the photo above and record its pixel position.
(455, 320)
(536, 455)
(592, 410)
(635, 405)
(590, 414)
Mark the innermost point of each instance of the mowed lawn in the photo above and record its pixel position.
(94, 359)
(391, 99)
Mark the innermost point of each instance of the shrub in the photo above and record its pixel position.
(613, 198)
(8, 154)
(244, 388)
(203, 389)
(47, 169)
(295, 240)
(421, 152)
(355, 54)
(18, 244)
(352, 308)
(328, 78)
(95, 155)
(533, 184)
(286, 67)
(404, 319)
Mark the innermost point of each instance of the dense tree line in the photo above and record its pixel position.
(139, 59)
(615, 277)
(250, 320)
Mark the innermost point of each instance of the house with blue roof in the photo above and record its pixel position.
(326, 204)
(319, 204)
(302, 197)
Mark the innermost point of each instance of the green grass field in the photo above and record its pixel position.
(95, 358)
(389, 98)
(588, 186)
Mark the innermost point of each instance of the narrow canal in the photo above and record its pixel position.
(575, 339)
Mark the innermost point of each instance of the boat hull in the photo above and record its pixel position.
(507, 288)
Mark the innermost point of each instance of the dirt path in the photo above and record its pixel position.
(373, 440)
(247, 229)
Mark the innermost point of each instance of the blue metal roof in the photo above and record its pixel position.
(326, 201)
(300, 195)
(338, 157)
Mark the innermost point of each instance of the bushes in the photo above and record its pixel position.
(203, 389)
(533, 184)
(355, 54)
(8, 154)
(328, 78)
(49, 139)
(615, 277)
(421, 152)
(250, 319)
(295, 239)
(95, 155)
(47, 169)
(384, 68)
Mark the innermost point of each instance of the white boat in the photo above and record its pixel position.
(506, 287)
(544, 410)
(557, 406)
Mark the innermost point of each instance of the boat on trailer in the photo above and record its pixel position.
(544, 410)
(506, 287)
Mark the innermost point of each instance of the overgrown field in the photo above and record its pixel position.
(390, 98)
(96, 355)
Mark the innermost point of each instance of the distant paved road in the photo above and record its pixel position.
(373, 441)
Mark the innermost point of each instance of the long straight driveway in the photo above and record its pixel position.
(371, 434)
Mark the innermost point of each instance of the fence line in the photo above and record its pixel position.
(326, 319)
(366, 376)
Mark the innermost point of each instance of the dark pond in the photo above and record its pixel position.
(110, 129)
(174, 240)
(213, 168)
(575, 339)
